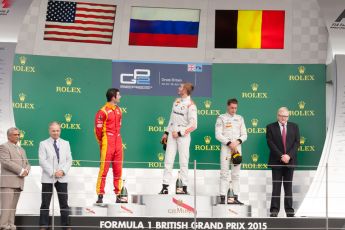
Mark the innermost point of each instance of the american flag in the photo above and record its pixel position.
(79, 22)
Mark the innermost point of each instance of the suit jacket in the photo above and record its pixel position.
(13, 160)
(275, 143)
(49, 161)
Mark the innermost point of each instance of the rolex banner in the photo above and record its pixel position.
(71, 90)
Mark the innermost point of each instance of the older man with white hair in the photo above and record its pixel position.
(283, 140)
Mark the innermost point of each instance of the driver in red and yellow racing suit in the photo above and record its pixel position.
(107, 130)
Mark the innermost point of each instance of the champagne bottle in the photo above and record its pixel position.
(231, 195)
(179, 185)
(124, 193)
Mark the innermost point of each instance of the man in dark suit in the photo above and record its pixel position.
(283, 140)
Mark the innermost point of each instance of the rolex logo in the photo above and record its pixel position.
(207, 104)
(22, 60)
(301, 104)
(301, 69)
(160, 120)
(302, 140)
(160, 156)
(24, 142)
(22, 97)
(21, 134)
(255, 157)
(69, 81)
(255, 87)
(255, 122)
(68, 88)
(207, 139)
(22, 104)
(68, 117)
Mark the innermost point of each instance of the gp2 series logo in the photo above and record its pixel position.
(138, 77)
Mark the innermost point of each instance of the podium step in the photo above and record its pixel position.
(231, 210)
(177, 205)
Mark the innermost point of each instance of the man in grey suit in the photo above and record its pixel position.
(55, 160)
(14, 167)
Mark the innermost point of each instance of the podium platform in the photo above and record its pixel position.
(177, 205)
(167, 206)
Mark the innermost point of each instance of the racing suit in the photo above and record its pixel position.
(183, 120)
(107, 130)
(229, 128)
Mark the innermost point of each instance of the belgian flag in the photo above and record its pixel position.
(249, 29)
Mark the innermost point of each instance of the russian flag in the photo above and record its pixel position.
(168, 27)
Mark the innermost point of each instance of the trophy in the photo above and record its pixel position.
(231, 197)
(179, 185)
(123, 197)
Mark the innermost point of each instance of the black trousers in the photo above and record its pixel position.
(282, 175)
(47, 192)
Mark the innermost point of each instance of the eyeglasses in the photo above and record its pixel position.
(284, 116)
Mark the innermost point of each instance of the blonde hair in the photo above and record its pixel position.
(189, 87)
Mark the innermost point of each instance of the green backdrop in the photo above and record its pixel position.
(71, 90)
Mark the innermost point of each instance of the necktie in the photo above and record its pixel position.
(284, 138)
(56, 151)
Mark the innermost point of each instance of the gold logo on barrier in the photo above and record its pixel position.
(160, 156)
(254, 94)
(305, 148)
(255, 122)
(22, 67)
(160, 120)
(157, 164)
(255, 129)
(302, 140)
(301, 69)
(255, 87)
(68, 88)
(207, 104)
(159, 127)
(301, 76)
(22, 104)
(208, 111)
(301, 104)
(255, 157)
(207, 146)
(68, 117)
(22, 60)
(21, 134)
(22, 97)
(207, 139)
(69, 81)
(68, 124)
(301, 111)
(23, 142)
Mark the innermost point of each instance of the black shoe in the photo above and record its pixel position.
(273, 214)
(164, 190)
(290, 214)
(222, 199)
(99, 199)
